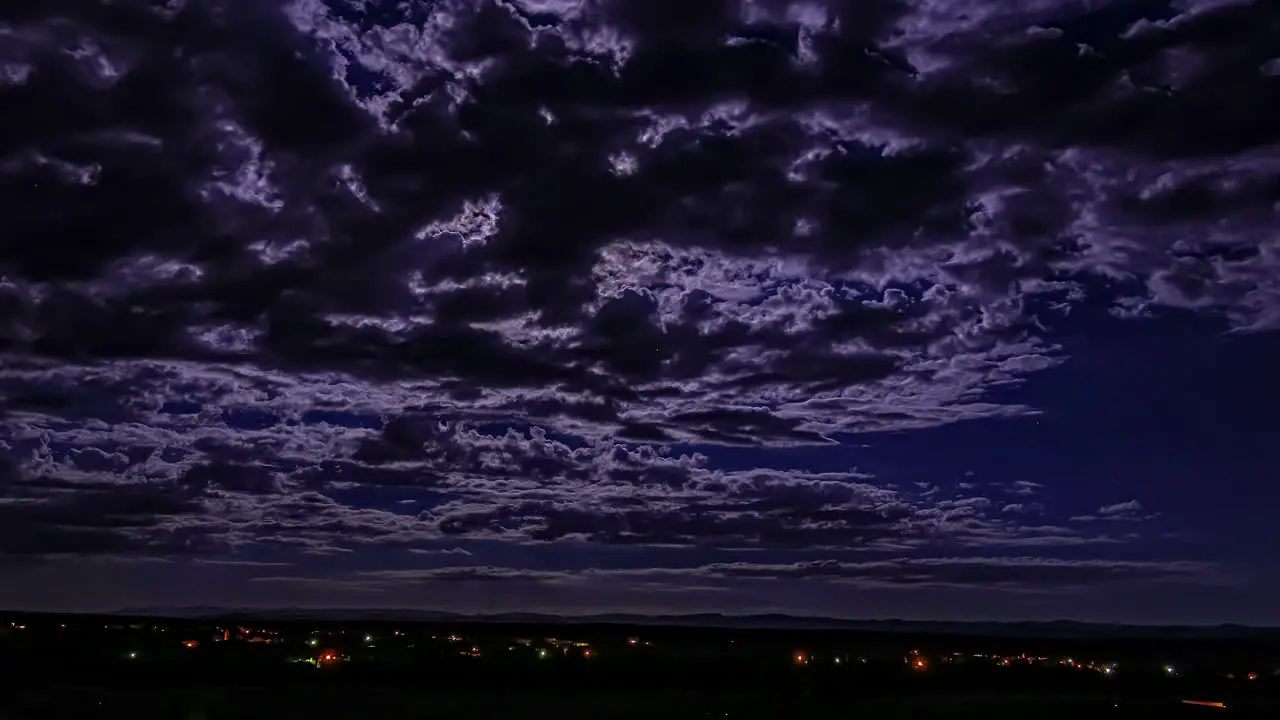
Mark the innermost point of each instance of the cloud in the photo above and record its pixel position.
(664, 308)
(518, 486)
(446, 551)
(1123, 508)
(1130, 511)
(1030, 574)
(512, 259)
(1025, 487)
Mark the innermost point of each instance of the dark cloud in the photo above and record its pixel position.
(508, 260)
(1007, 573)
(52, 516)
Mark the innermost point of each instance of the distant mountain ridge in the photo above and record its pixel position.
(1044, 629)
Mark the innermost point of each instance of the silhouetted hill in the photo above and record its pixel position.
(1052, 629)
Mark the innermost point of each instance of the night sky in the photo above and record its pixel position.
(941, 309)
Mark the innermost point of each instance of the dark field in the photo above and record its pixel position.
(366, 702)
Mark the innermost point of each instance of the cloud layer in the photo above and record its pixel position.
(389, 275)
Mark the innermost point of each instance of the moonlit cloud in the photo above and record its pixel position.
(379, 278)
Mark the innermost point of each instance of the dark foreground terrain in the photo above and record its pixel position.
(566, 691)
(227, 668)
(369, 701)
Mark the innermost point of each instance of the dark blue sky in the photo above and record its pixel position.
(848, 308)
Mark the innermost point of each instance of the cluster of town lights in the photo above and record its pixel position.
(915, 660)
